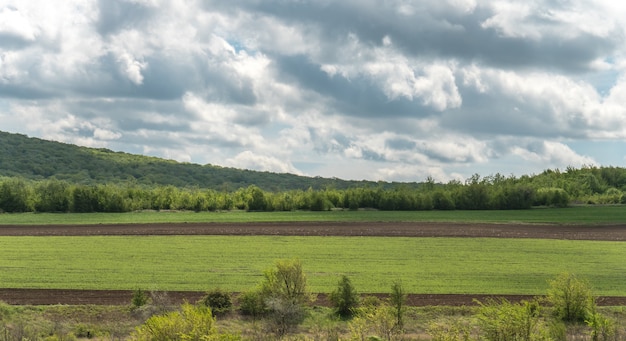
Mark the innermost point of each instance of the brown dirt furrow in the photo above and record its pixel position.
(386, 229)
(123, 297)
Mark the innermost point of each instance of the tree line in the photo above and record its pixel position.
(553, 188)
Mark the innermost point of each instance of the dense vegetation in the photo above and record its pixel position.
(372, 317)
(551, 188)
(44, 176)
(37, 159)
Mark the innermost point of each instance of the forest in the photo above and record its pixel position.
(43, 176)
(552, 188)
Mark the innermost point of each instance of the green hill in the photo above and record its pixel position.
(36, 159)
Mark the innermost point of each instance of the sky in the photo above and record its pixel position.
(391, 90)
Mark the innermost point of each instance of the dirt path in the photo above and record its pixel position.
(387, 229)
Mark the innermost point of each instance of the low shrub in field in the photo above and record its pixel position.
(571, 297)
(503, 321)
(251, 304)
(140, 298)
(345, 298)
(193, 323)
(449, 331)
(218, 300)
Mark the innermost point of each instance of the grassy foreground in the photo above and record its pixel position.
(586, 215)
(235, 263)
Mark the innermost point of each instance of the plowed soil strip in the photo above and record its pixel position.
(123, 297)
(380, 229)
(377, 229)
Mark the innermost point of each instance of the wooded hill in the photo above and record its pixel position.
(43, 176)
(37, 159)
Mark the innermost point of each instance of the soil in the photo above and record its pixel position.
(387, 229)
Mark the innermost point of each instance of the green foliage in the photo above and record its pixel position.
(251, 303)
(55, 177)
(503, 321)
(218, 300)
(285, 294)
(344, 298)
(570, 297)
(398, 302)
(449, 331)
(191, 323)
(139, 299)
(379, 320)
(602, 327)
(286, 281)
(15, 196)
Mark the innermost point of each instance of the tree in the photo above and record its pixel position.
(255, 199)
(398, 302)
(345, 298)
(570, 297)
(14, 196)
(285, 294)
(52, 196)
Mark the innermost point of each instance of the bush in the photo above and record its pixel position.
(345, 298)
(503, 320)
(251, 304)
(285, 295)
(190, 323)
(398, 302)
(218, 300)
(570, 297)
(140, 298)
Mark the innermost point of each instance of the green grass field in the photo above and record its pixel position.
(424, 265)
(573, 215)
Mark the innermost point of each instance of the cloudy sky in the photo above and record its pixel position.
(356, 89)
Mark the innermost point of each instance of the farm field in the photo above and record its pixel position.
(236, 263)
(430, 256)
(580, 215)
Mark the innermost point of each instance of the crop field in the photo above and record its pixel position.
(585, 215)
(236, 263)
(432, 252)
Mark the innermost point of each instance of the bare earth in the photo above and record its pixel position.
(389, 229)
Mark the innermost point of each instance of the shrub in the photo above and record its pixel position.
(345, 298)
(218, 300)
(398, 300)
(251, 304)
(449, 332)
(190, 323)
(602, 328)
(570, 297)
(285, 295)
(503, 320)
(140, 298)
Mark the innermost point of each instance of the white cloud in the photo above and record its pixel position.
(13, 23)
(553, 155)
(250, 160)
(357, 89)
